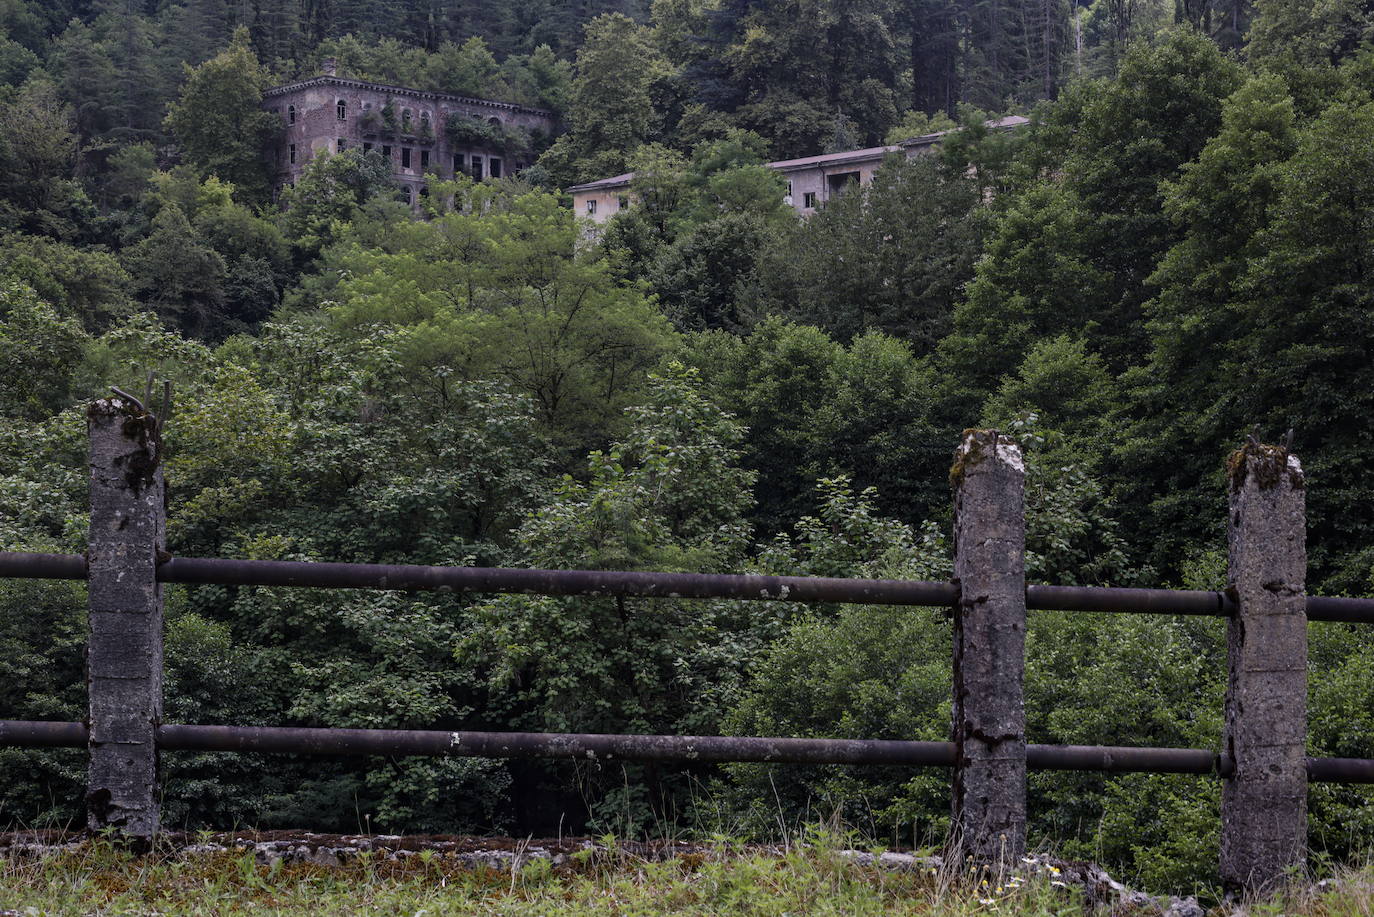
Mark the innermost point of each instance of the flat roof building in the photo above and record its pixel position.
(811, 180)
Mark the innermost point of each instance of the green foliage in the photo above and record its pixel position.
(1310, 34)
(699, 278)
(876, 672)
(1174, 250)
(87, 284)
(329, 196)
(618, 74)
(37, 155)
(219, 121)
(178, 275)
(1072, 252)
(816, 409)
(494, 288)
(891, 257)
(37, 348)
(668, 496)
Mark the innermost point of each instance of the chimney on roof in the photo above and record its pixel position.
(329, 67)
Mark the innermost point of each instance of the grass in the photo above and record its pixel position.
(98, 878)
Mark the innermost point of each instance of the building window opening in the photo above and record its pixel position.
(591, 208)
(840, 181)
(424, 122)
(386, 152)
(342, 144)
(290, 114)
(494, 122)
(367, 146)
(291, 152)
(477, 167)
(424, 160)
(407, 194)
(809, 200)
(405, 120)
(343, 110)
(494, 166)
(405, 157)
(622, 202)
(458, 166)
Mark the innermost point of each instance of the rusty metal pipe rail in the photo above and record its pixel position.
(702, 749)
(199, 570)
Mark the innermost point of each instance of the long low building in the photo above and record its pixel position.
(811, 180)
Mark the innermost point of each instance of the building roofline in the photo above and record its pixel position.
(604, 184)
(1007, 123)
(325, 80)
(825, 159)
(842, 158)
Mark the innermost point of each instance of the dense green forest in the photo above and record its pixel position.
(1179, 247)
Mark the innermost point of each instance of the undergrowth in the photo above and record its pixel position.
(815, 879)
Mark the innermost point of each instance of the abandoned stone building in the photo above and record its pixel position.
(418, 131)
(811, 181)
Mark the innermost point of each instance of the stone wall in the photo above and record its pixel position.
(313, 123)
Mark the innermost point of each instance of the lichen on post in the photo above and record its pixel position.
(989, 718)
(1264, 800)
(124, 650)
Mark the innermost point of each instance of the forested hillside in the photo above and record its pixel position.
(1178, 248)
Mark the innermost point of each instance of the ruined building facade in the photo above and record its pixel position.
(418, 131)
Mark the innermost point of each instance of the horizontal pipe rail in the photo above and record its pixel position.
(204, 570)
(558, 582)
(704, 749)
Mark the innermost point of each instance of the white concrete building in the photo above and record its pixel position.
(811, 180)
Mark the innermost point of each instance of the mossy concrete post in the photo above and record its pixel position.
(124, 652)
(989, 717)
(1264, 800)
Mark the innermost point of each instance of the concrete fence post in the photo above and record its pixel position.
(1264, 800)
(124, 652)
(989, 717)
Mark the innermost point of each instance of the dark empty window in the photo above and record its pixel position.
(840, 181)
(495, 167)
(386, 151)
(291, 152)
(809, 200)
(405, 157)
(622, 202)
(477, 167)
(424, 160)
(290, 114)
(342, 143)
(458, 163)
(343, 110)
(367, 146)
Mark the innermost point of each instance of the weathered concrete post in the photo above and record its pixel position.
(1264, 801)
(989, 721)
(124, 653)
